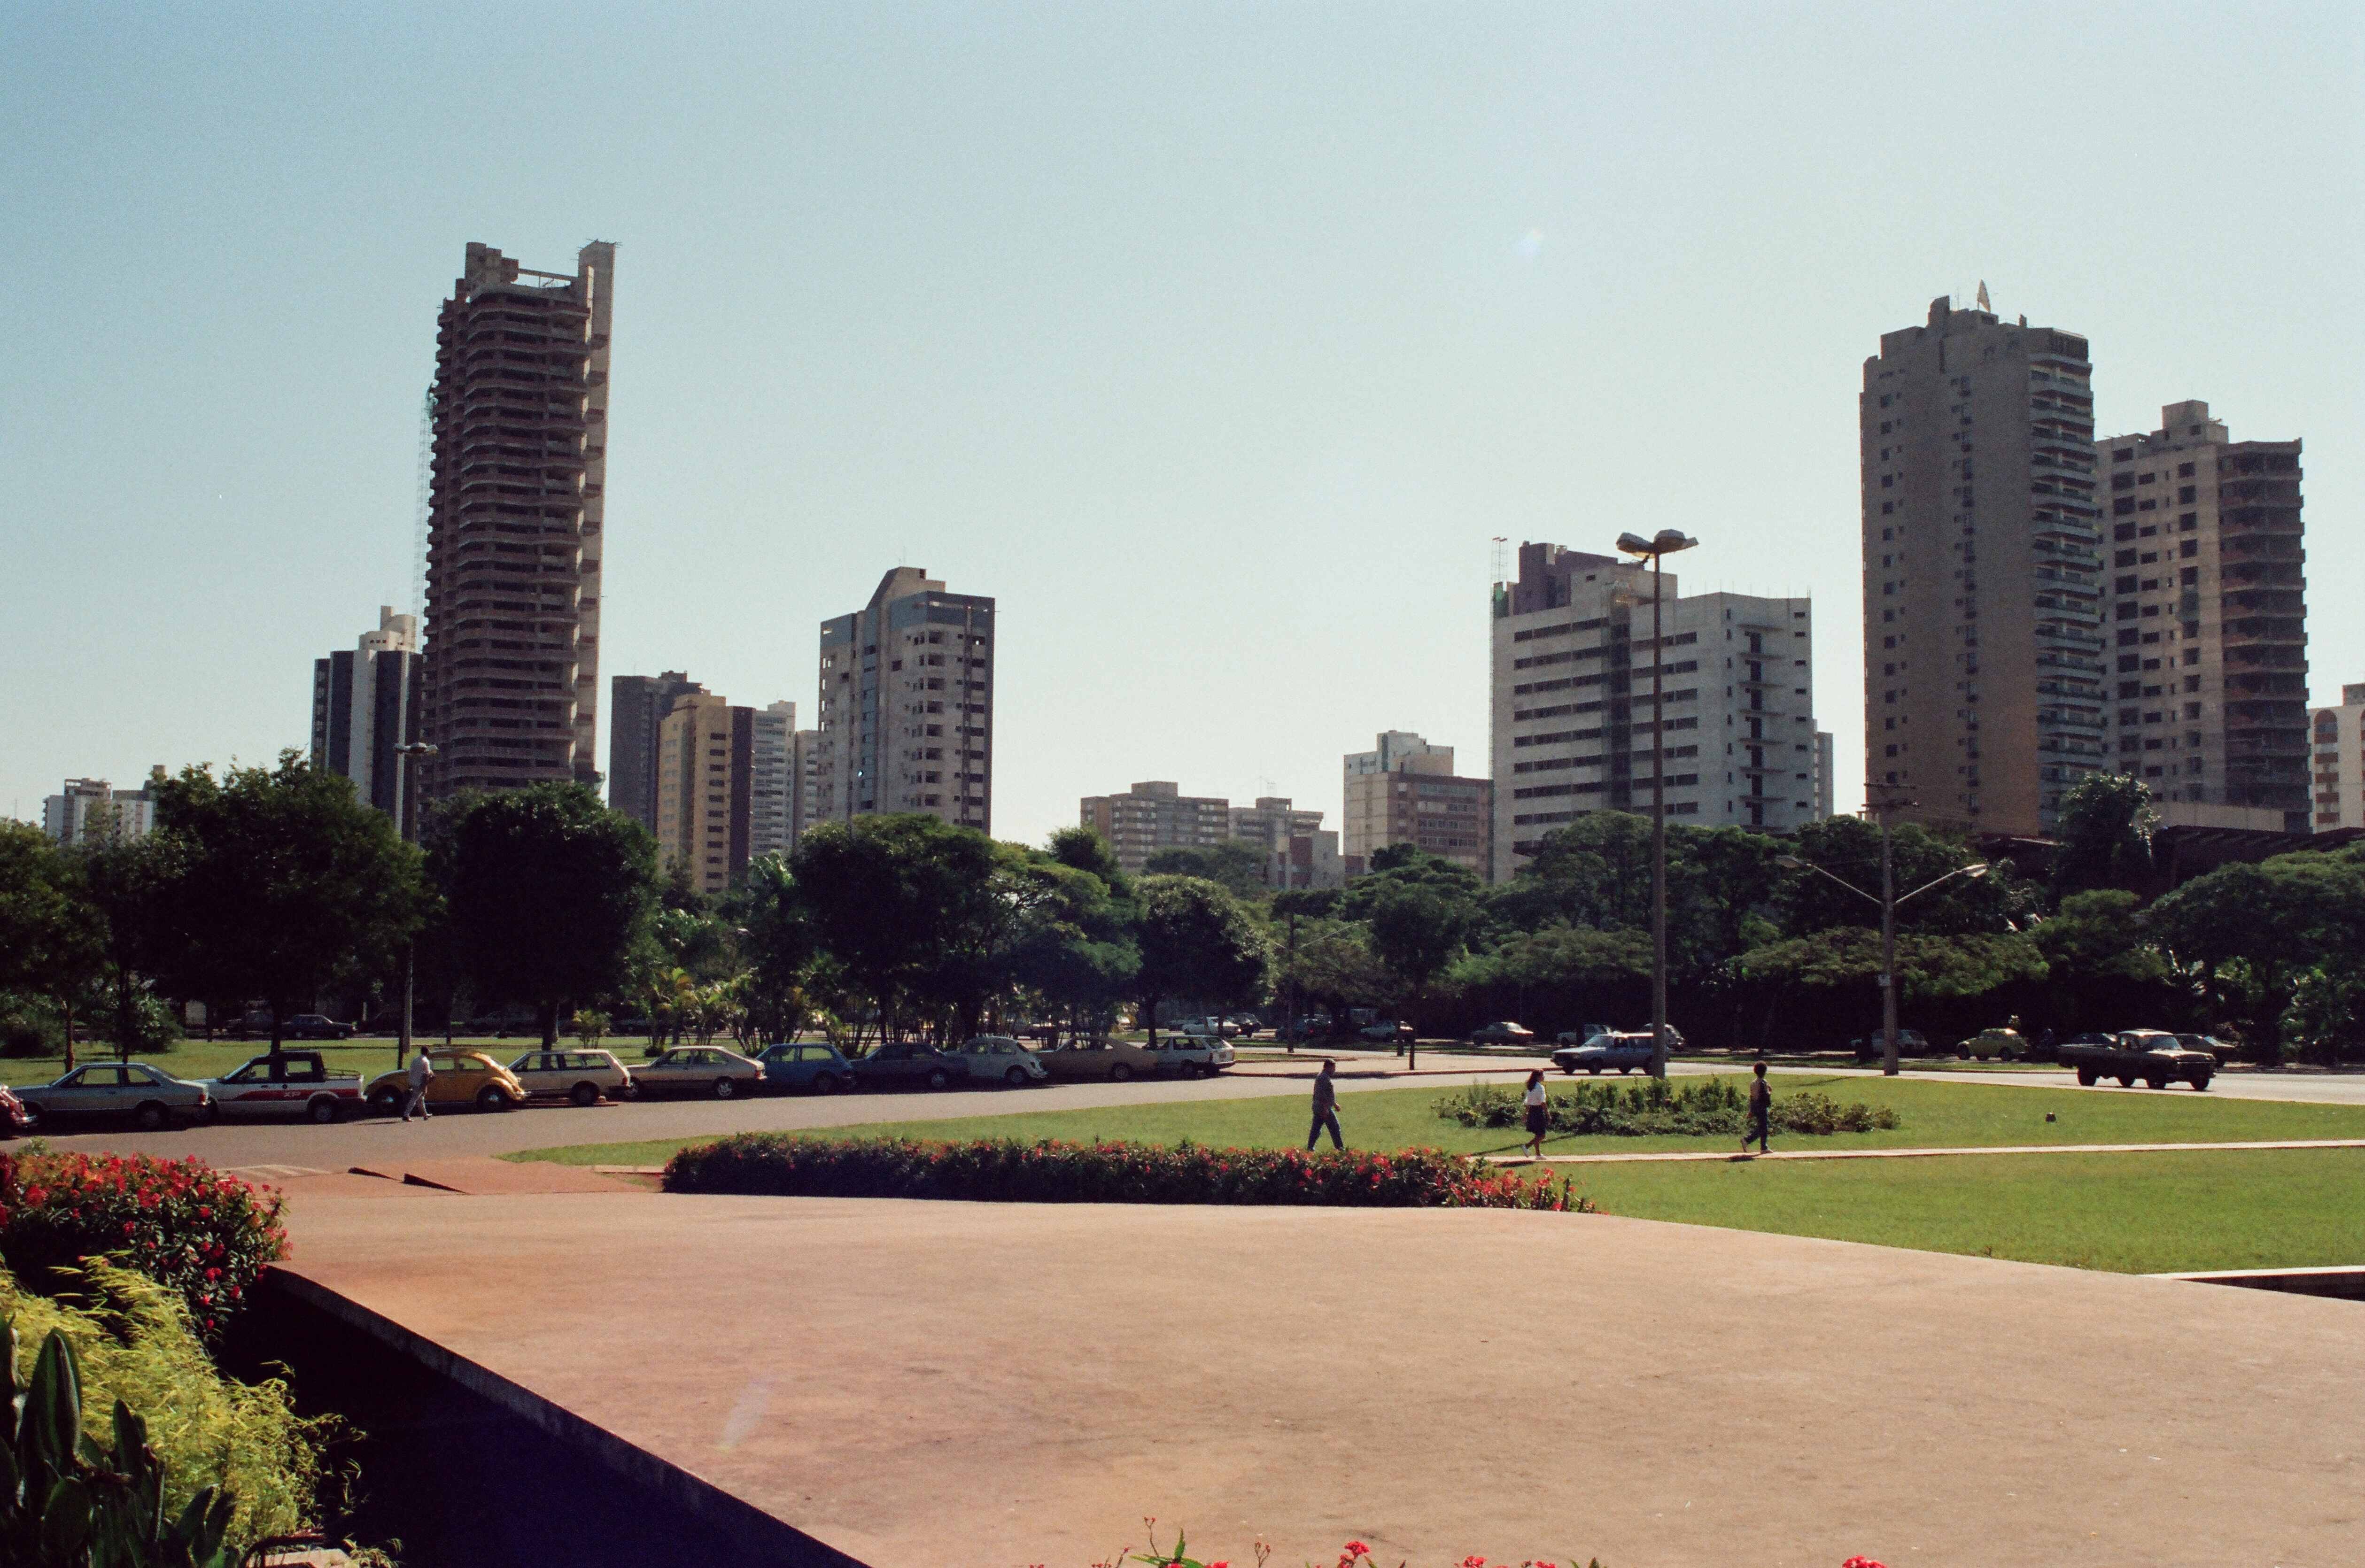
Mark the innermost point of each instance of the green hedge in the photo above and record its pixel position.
(1008, 1170)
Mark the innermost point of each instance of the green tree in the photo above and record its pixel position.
(282, 884)
(897, 904)
(1237, 867)
(1416, 931)
(2105, 832)
(1849, 848)
(1560, 976)
(1082, 849)
(127, 881)
(1950, 982)
(550, 894)
(52, 940)
(2103, 967)
(2248, 934)
(1196, 944)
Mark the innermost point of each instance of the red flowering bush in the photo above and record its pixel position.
(180, 1222)
(1007, 1171)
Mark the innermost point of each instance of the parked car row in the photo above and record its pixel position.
(302, 1085)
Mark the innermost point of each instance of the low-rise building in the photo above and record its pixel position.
(2339, 762)
(92, 808)
(1152, 815)
(1299, 852)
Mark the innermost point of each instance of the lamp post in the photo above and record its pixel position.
(1666, 542)
(403, 823)
(1887, 900)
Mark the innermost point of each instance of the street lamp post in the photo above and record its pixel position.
(1666, 542)
(405, 754)
(1887, 900)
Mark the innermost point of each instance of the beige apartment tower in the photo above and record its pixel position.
(2339, 762)
(519, 422)
(2202, 605)
(1403, 790)
(1153, 816)
(1983, 619)
(907, 704)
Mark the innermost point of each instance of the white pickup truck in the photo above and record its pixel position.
(291, 1084)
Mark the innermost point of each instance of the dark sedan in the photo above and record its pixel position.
(902, 1063)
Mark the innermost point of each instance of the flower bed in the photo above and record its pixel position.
(1007, 1171)
(198, 1233)
(1656, 1108)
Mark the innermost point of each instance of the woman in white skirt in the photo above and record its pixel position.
(1539, 1115)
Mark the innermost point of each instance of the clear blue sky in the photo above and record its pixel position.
(1216, 341)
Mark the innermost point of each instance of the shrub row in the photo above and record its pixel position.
(1008, 1170)
(201, 1234)
(1655, 1107)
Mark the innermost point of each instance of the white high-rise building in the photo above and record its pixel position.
(1571, 714)
(771, 793)
(365, 703)
(89, 808)
(907, 704)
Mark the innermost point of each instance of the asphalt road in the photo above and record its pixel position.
(367, 1142)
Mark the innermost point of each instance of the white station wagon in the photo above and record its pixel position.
(580, 1076)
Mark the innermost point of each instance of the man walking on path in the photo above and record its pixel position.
(1760, 1113)
(1326, 1107)
(420, 1074)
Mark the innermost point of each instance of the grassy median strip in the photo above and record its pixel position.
(1929, 1115)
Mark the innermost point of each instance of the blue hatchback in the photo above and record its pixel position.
(815, 1067)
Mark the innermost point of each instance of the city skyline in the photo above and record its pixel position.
(1222, 408)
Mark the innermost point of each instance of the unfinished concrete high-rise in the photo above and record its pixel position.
(518, 428)
(2208, 631)
(1983, 638)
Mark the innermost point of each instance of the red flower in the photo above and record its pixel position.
(1357, 1549)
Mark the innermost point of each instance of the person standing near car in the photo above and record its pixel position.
(1326, 1107)
(1760, 1113)
(420, 1074)
(1539, 1114)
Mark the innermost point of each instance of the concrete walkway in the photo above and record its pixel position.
(1011, 1384)
(1727, 1156)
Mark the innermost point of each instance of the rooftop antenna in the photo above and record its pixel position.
(1501, 560)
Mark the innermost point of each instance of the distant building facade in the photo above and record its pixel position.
(365, 703)
(1155, 815)
(519, 421)
(637, 705)
(771, 785)
(907, 713)
(705, 779)
(1299, 852)
(2202, 604)
(1573, 667)
(1405, 792)
(2338, 736)
(92, 808)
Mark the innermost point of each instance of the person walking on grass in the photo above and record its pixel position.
(1539, 1114)
(1760, 1113)
(420, 1072)
(1326, 1107)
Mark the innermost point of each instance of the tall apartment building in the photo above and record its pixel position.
(1405, 792)
(90, 808)
(519, 418)
(1826, 790)
(705, 784)
(771, 785)
(1155, 815)
(807, 775)
(2202, 606)
(637, 704)
(365, 703)
(1982, 594)
(907, 703)
(1572, 702)
(1299, 852)
(2339, 762)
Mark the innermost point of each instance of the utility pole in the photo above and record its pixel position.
(1666, 542)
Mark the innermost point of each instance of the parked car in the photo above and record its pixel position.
(699, 1069)
(1503, 1033)
(1611, 1048)
(1909, 1043)
(1001, 1058)
(578, 1076)
(1115, 1061)
(2003, 1045)
(291, 1084)
(14, 1118)
(1217, 1028)
(2155, 1055)
(1189, 1056)
(106, 1089)
(815, 1067)
(462, 1078)
(1248, 1024)
(1393, 1030)
(2225, 1053)
(316, 1026)
(1581, 1033)
(908, 1062)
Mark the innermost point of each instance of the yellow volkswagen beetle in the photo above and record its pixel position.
(462, 1078)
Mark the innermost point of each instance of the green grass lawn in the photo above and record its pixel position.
(1932, 1116)
(2128, 1213)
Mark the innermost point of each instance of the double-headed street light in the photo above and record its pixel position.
(1889, 900)
(404, 825)
(1666, 542)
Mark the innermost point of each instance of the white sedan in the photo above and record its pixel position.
(699, 1069)
(106, 1089)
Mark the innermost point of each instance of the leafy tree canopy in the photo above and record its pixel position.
(2105, 832)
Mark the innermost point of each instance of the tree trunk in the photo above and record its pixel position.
(66, 1007)
(549, 1011)
(1150, 1010)
(279, 1027)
